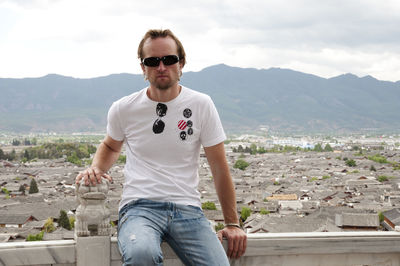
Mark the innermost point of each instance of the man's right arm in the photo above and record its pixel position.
(106, 155)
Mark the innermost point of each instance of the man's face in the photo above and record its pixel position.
(161, 77)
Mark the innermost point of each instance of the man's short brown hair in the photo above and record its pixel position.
(154, 34)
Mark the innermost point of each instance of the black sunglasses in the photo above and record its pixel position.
(158, 126)
(155, 61)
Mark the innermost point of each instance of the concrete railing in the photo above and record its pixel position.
(94, 247)
(289, 249)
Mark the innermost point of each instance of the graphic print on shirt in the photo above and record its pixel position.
(182, 125)
(159, 125)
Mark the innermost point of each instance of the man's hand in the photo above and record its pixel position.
(92, 175)
(237, 241)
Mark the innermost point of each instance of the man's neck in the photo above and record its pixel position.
(167, 95)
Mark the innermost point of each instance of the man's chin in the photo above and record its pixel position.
(163, 86)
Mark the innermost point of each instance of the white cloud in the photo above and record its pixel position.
(90, 38)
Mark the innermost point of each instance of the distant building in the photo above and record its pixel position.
(391, 219)
(357, 221)
(16, 220)
(283, 197)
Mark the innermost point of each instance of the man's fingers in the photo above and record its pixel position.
(108, 177)
(78, 178)
(244, 246)
(92, 177)
(219, 235)
(235, 247)
(237, 242)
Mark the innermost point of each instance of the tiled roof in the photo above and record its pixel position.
(15, 218)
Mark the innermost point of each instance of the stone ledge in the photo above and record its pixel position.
(288, 249)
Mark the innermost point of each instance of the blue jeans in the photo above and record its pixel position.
(143, 224)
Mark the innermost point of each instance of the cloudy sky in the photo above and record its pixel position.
(90, 38)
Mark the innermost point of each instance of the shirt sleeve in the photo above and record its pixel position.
(212, 132)
(114, 128)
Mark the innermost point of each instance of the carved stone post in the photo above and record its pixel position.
(92, 225)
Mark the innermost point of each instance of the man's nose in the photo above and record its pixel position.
(161, 66)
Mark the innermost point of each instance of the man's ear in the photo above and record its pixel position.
(143, 68)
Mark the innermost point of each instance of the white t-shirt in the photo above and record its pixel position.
(163, 144)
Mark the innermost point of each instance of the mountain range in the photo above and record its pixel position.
(246, 98)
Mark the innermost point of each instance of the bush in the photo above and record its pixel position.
(33, 188)
(351, 163)
(372, 168)
(381, 217)
(383, 178)
(219, 227)
(263, 211)
(5, 190)
(74, 159)
(208, 205)
(49, 226)
(122, 159)
(72, 221)
(245, 213)
(63, 220)
(241, 164)
(378, 158)
(37, 237)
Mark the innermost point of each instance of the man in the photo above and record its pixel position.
(163, 127)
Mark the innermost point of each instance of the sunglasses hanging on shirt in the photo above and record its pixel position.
(158, 126)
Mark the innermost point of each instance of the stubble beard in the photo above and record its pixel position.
(163, 86)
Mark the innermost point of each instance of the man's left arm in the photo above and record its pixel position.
(237, 239)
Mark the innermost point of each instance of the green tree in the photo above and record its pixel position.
(208, 205)
(37, 237)
(16, 142)
(22, 189)
(253, 149)
(328, 147)
(26, 155)
(74, 159)
(72, 221)
(318, 147)
(263, 211)
(49, 226)
(245, 213)
(11, 156)
(240, 148)
(261, 150)
(33, 188)
(219, 227)
(241, 164)
(63, 220)
(372, 168)
(381, 217)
